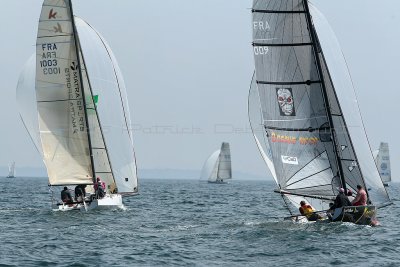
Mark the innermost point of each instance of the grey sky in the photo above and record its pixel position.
(187, 65)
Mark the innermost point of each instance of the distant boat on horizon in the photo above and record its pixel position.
(11, 170)
(382, 160)
(218, 167)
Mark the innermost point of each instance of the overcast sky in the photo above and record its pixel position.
(188, 64)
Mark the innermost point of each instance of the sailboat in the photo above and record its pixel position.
(82, 123)
(217, 168)
(304, 114)
(382, 160)
(11, 170)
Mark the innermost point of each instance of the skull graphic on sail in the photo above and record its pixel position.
(285, 101)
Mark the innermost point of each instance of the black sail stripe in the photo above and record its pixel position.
(309, 129)
(285, 44)
(278, 11)
(308, 82)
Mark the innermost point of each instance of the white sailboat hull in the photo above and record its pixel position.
(110, 201)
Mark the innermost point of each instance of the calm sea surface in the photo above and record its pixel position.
(185, 223)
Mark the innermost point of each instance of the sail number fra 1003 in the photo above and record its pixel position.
(49, 62)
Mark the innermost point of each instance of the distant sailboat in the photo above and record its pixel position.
(382, 160)
(304, 114)
(11, 170)
(217, 168)
(79, 91)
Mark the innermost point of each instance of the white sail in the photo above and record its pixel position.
(82, 110)
(218, 167)
(382, 160)
(59, 96)
(256, 124)
(26, 101)
(11, 170)
(224, 163)
(348, 102)
(109, 91)
(210, 167)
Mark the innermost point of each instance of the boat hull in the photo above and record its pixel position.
(363, 215)
(217, 182)
(112, 201)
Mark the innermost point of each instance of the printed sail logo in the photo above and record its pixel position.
(58, 28)
(285, 101)
(289, 160)
(52, 15)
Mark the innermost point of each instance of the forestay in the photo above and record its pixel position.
(305, 139)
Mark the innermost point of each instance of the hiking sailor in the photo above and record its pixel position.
(66, 196)
(308, 211)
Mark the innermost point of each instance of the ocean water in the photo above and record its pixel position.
(186, 223)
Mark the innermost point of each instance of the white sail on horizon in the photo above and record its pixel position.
(217, 167)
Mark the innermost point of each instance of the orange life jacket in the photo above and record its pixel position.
(307, 210)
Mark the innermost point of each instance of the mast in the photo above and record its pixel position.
(83, 93)
(325, 96)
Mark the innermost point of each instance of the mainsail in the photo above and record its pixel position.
(75, 68)
(309, 129)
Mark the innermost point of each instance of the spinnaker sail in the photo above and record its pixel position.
(309, 128)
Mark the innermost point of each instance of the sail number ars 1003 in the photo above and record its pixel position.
(48, 62)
